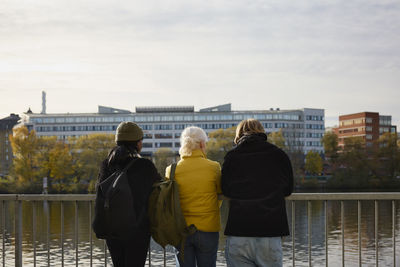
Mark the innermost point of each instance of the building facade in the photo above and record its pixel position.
(367, 125)
(302, 128)
(6, 155)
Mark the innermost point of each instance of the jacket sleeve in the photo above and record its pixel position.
(225, 176)
(218, 178)
(153, 172)
(288, 175)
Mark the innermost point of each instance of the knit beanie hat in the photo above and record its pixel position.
(128, 131)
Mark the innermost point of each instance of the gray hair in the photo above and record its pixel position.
(191, 138)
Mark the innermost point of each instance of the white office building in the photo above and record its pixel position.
(302, 128)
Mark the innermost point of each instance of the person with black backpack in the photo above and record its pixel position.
(128, 247)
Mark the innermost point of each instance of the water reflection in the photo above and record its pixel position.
(48, 237)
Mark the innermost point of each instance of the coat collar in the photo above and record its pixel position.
(197, 153)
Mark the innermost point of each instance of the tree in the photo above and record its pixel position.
(88, 152)
(162, 158)
(24, 144)
(277, 139)
(60, 167)
(42, 158)
(220, 142)
(313, 163)
(354, 167)
(388, 155)
(330, 143)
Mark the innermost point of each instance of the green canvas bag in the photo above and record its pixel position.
(167, 223)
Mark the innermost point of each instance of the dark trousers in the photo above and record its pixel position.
(200, 250)
(130, 253)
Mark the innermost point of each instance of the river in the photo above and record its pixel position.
(43, 209)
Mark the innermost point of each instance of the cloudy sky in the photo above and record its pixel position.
(343, 56)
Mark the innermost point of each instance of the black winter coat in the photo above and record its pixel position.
(141, 177)
(256, 176)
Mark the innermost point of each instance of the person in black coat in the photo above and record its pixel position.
(256, 177)
(141, 176)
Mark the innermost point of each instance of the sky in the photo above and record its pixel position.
(338, 55)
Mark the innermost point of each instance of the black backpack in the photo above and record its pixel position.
(114, 212)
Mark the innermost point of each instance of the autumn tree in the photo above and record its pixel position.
(163, 157)
(44, 145)
(388, 155)
(330, 142)
(88, 152)
(219, 143)
(25, 169)
(354, 168)
(60, 166)
(277, 139)
(313, 163)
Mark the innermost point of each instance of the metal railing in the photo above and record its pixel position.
(308, 197)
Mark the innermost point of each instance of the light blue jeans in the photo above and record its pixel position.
(200, 250)
(253, 251)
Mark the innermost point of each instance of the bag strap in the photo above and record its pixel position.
(129, 164)
(172, 172)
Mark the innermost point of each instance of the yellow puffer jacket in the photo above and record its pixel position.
(199, 181)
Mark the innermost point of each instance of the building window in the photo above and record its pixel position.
(147, 136)
(147, 144)
(368, 120)
(163, 136)
(163, 144)
(177, 144)
(369, 137)
(179, 126)
(268, 125)
(163, 127)
(146, 127)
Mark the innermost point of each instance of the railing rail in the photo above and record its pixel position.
(308, 197)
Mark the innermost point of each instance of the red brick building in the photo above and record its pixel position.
(367, 125)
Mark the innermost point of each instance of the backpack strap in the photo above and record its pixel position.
(129, 164)
(172, 171)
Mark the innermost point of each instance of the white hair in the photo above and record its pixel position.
(191, 138)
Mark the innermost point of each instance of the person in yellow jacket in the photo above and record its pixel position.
(199, 181)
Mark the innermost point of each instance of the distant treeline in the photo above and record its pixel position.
(71, 166)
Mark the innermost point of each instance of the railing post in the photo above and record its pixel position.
(105, 253)
(394, 230)
(18, 233)
(76, 235)
(165, 257)
(326, 232)
(150, 254)
(376, 233)
(62, 232)
(90, 233)
(359, 232)
(47, 203)
(309, 231)
(293, 233)
(342, 219)
(3, 230)
(34, 232)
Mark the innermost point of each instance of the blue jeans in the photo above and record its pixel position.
(201, 249)
(253, 251)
